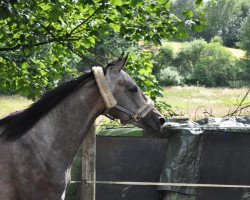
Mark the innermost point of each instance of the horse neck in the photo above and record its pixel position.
(61, 132)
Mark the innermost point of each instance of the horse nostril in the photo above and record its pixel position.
(161, 121)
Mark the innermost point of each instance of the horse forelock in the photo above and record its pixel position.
(15, 126)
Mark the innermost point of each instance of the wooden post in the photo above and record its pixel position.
(89, 165)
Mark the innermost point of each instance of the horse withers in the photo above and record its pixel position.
(38, 145)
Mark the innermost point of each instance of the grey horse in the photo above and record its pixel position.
(38, 145)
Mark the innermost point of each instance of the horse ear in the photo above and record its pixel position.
(120, 63)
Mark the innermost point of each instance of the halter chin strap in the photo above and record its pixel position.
(111, 102)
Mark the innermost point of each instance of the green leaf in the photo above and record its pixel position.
(45, 6)
(102, 31)
(198, 2)
(24, 65)
(116, 2)
(135, 2)
(188, 14)
(115, 27)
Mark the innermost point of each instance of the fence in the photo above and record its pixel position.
(212, 142)
(89, 165)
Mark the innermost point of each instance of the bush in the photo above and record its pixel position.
(217, 39)
(163, 59)
(215, 67)
(169, 76)
(243, 66)
(244, 35)
(188, 56)
(208, 64)
(199, 62)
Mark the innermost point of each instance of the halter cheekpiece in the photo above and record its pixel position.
(111, 102)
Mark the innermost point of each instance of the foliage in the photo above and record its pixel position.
(163, 58)
(217, 39)
(39, 38)
(180, 7)
(143, 74)
(215, 67)
(165, 108)
(30, 75)
(224, 19)
(188, 56)
(169, 76)
(207, 64)
(244, 35)
(106, 49)
(188, 7)
(139, 59)
(243, 66)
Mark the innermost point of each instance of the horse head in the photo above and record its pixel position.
(125, 100)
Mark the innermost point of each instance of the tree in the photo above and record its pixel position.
(244, 35)
(188, 7)
(224, 19)
(42, 42)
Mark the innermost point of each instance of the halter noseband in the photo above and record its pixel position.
(111, 102)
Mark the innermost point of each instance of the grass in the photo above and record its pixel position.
(193, 101)
(12, 103)
(200, 102)
(238, 53)
(175, 45)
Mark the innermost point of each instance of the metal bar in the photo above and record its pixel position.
(162, 184)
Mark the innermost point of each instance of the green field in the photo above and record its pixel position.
(195, 102)
(238, 53)
(200, 102)
(12, 103)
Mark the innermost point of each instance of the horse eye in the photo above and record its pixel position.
(133, 89)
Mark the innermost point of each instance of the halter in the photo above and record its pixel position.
(111, 102)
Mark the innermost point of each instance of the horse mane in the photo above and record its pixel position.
(16, 125)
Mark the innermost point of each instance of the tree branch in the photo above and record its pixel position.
(84, 21)
(240, 106)
(204, 112)
(80, 54)
(26, 46)
(51, 40)
(60, 40)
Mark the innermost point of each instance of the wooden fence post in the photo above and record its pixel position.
(89, 165)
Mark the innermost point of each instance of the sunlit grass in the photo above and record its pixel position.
(197, 102)
(175, 45)
(238, 53)
(12, 103)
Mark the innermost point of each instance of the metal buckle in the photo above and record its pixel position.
(137, 117)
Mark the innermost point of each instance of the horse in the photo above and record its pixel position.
(38, 145)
